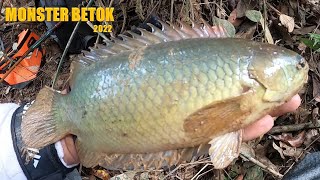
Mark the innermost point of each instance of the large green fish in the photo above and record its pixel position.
(157, 98)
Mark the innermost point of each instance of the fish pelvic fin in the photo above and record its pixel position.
(232, 113)
(224, 149)
(40, 126)
(156, 32)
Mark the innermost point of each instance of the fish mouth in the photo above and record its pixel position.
(302, 63)
(293, 84)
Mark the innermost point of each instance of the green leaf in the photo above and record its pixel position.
(315, 37)
(231, 31)
(254, 173)
(253, 15)
(312, 44)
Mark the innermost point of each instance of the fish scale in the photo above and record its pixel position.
(163, 103)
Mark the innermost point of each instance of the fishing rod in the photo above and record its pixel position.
(64, 54)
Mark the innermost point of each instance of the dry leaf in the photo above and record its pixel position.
(280, 150)
(315, 114)
(254, 173)
(304, 31)
(310, 136)
(247, 150)
(301, 114)
(261, 150)
(296, 141)
(293, 4)
(240, 177)
(7, 90)
(290, 151)
(125, 176)
(261, 156)
(285, 150)
(102, 174)
(282, 137)
(302, 47)
(144, 176)
(233, 18)
(264, 160)
(316, 87)
(243, 6)
(232, 3)
(287, 21)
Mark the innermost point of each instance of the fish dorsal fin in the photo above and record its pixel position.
(162, 32)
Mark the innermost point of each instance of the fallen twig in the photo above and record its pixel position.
(99, 33)
(253, 160)
(1, 21)
(202, 161)
(14, 23)
(1, 3)
(64, 54)
(171, 11)
(294, 127)
(204, 167)
(1, 45)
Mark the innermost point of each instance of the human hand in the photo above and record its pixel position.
(262, 126)
(69, 150)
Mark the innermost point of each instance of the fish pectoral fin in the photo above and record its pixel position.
(224, 149)
(215, 117)
(88, 157)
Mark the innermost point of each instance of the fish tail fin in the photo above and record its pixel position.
(40, 124)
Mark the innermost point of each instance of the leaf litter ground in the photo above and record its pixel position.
(292, 24)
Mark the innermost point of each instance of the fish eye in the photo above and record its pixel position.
(302, 62)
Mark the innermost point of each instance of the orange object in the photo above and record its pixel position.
(28, 68)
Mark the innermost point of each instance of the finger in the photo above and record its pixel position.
(258, 128)
(290, 106)
(69, 149)
(65, 91)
